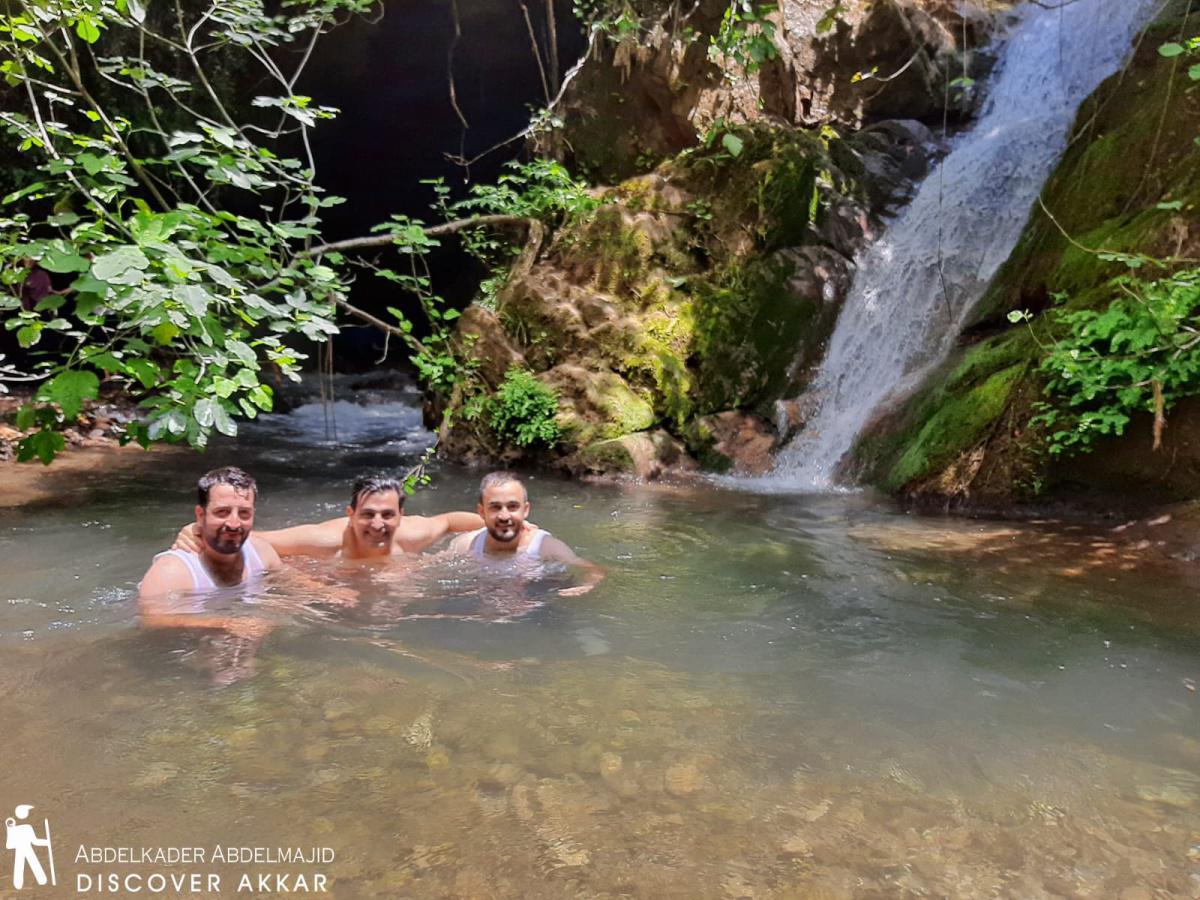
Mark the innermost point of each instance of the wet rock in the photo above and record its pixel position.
(683, 779)
(647, 455)
(381, 725)
(437, 759)
(420, 732)
(336, 709)
(156, 775)
(1167, 794)
(796, 845)
(733, 441)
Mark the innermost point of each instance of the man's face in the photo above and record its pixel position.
(227, 520)
(375, 518)
(504, 509)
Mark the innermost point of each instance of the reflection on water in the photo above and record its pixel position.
(767, 697)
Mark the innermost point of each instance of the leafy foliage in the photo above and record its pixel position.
(171, 292)
(746, 36)
(1112, 362)
(522, 411)
(188, 238)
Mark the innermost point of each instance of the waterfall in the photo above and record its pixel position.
(902, 315)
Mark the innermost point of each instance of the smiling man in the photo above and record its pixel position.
(226, 554)
(506, 537)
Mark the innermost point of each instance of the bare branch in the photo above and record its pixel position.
(537, 51)
(386, 240)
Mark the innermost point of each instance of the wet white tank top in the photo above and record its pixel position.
(252, 566)
(532, 551)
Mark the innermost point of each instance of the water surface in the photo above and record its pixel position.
(767, 697)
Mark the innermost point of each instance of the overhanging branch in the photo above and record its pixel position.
(385, 240)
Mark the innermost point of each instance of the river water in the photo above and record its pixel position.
(789, 696)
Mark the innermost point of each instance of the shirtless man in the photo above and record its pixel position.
(506, 537)
(374, 527)
(226, 554)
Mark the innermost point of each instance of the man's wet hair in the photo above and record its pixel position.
(495, 479)
(230, 475)
(375, 484)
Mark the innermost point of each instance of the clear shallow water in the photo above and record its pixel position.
(767, 697)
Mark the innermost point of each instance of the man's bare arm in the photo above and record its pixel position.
(323, 539)
(418, 532)
(554, 549)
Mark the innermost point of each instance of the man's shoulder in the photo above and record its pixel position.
(167, 573)
(462, 542)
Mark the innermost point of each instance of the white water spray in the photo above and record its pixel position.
(902, 315)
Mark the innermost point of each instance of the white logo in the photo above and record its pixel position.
(22, 839)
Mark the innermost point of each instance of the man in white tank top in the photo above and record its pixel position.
(227, 555)
(505, 536)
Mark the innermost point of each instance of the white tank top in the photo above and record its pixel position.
(252, 566)
(532, 551)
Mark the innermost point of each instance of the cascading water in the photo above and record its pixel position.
(903, 314)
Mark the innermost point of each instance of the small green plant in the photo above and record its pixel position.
(1141, 354)
(522, 411)
(746, 36)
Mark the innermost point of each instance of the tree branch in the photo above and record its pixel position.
(385, 240)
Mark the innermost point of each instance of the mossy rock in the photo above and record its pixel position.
(955, 412)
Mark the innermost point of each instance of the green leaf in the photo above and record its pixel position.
(68, 389)
(829, 19)
(61, 258)
(193, 298)
(204, 412)
(146, 372)
(106, 362)
(164, 333)
(222, 420)
(87, 29)
(1173, 204)
(24, 192)
(26, 416)
(29, 335)
(43, 445)
(1194, 72)
(732, 143)
(1170, 51)
(116, 267)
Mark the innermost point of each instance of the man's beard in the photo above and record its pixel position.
(497, 533)
(227, 543)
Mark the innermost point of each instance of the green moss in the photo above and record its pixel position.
(959, 424)
(749, 328)
(626, 411)
(950, 415)
(608, 456)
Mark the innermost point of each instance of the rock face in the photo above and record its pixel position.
(669, 320)
(655, 92)
(1129, 184)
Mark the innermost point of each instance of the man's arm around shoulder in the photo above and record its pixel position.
(554, 549)
(418, 532)
(321, 539)
(266, 552)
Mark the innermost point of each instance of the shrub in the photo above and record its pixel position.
(522, 411)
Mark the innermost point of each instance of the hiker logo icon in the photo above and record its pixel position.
(22, 838)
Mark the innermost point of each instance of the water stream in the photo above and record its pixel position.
(768, 696)
(915, 286)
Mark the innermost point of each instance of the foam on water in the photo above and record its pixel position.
(904, 312)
